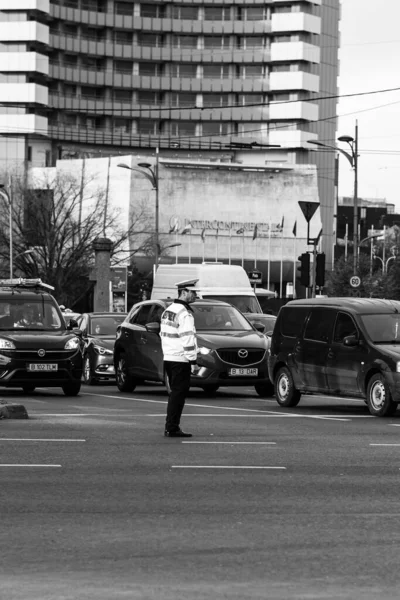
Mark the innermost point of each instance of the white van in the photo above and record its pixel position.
(229, 283)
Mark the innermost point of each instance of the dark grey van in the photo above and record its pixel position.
(338, 346)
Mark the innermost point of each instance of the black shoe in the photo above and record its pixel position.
(178, 433)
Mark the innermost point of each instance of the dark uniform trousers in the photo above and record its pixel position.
(179, 381)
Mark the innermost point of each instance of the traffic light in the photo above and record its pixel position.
(320, 270)
(304, 269)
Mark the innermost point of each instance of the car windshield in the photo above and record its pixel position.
(106, 325)
(35, 315)
(219, 318)
(246, 304)
(383, 329)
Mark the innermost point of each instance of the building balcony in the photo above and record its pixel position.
(41, 5)
(316, 2)
(77, 75)
(293, 111)
(295, 51)
(294, 80)
(24, 31)
(23, 93)
(23, 124)
(25, 62)
(291, 139)
(292, 22)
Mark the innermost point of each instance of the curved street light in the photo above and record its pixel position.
(152, 176)
(352, 157)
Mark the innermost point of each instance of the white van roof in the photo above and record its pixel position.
(209, 275)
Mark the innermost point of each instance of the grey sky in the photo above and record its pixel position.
(369, 61)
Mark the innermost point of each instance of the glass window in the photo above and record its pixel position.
(123, 8)
(213, 100)
(123, 66)
(215, 128)
(215, 71)
(217, 42)
(122, 95)
(320, 324)
(185, 70)
(185, 41)
(35, 316)
(152, 10)
(383, 328)
(122, 37)
(183, 100)
(148, 126)
(152, 98)
(155, 316)
(105, 325)
(219, 318)
(142, 317)
(150, 39)
(344, 326)
(217, 13)
(150, 69)
(185, 12)
(246, 304)
(292, 321)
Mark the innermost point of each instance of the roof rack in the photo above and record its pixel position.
(20, 282)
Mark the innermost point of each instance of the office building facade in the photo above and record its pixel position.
(249, 81)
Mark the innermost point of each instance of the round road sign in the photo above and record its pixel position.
(355, 281)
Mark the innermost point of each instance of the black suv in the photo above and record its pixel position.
(231, 351)
(338, 346)
(37, 348)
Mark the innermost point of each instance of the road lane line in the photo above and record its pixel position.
(232, 443)
(38, 466)
(38, 440)
(384, 444)
(221, 467)
(252, 410)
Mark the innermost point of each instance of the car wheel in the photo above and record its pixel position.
(87, 372)
(72, 388)
(265, 390)
(379, 398)
(285, 392)
(211, 390)
(125, 381)
(28, 388)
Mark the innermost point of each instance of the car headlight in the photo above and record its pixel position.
(6, 344)
(101, 350)
(398, 367)
(204, 350)
(72, 344)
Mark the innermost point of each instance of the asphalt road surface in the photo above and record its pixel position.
(262, 503)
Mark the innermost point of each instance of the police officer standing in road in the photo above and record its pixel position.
(179, 346)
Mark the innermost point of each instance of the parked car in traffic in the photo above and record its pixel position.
(37, 347)
(98, 336)
(231, 351)
(338, 346)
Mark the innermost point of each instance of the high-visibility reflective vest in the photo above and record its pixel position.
(178, 333)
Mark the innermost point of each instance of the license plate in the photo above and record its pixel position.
(42, 367)
(243, 372)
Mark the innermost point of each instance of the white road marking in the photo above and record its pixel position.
(221, 467)
(384, 444)
(233, 443)
(252, 410)
(38, 440)
(39, 466)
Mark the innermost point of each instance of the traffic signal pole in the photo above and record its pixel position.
(314, 268)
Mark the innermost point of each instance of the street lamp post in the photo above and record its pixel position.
(352, 157)
(8, 197)
(152, 176)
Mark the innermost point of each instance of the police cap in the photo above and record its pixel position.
(188, 284)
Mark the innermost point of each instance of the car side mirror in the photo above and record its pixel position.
(73, 324)
(153, 327)
(351, 340)
(259, 327)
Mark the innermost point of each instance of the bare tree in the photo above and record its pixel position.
(57, 219)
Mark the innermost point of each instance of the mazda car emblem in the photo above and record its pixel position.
(41, 352)
(243, 353)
